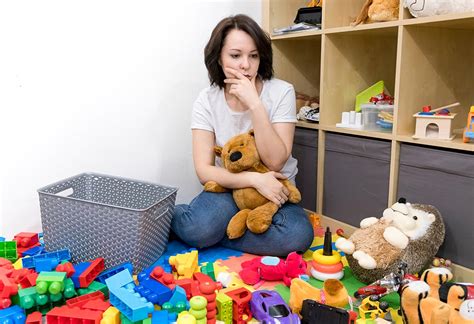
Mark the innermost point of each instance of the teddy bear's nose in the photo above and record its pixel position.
(235, 156)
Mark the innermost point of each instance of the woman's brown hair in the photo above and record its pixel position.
(213, 48)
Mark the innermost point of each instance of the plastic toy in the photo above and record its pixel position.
(371, 307)
(240, 304)
(184, 265)
(8, 250)
(390, 283)
(66, 314)
(12, 315)
(314, 312)
(224, 308)
(273, 268)
(468, 134)
(268, 307)
(34, 318)
(52, 282)
(327, 263)
(333, 293)
(198, 309)
(351, 119)
(111, 316)
(364, 96)
(409, 233)
(25, 241)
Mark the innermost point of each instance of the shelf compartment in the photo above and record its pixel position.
(353, 62)
(356, 177)
(305, 150)
(298, 61)
(282, 13)
(437, 68)
(445, 179)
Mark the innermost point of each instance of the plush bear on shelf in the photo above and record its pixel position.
(410, 233)
(256, 212)
(378, 10)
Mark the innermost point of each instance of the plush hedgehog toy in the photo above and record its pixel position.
(410, 233)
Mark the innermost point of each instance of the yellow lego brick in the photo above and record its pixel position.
(185, 264)
(111, 316)
(18, 264)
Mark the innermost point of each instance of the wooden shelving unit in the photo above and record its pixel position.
(423, 61)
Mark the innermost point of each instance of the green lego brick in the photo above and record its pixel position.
(8, 250)
(50, 281)
(95, 286)
(125, 320)
(224, 308)
(208, 269)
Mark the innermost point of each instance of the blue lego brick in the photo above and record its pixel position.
(79, 269)
(114, 270)
(60, 255)
(118, 280)
(129, 303)
(163, 317)
(2, 239)
(179, 295)
(46, 264)
(154, 291)
(12, 315)
(33, 251)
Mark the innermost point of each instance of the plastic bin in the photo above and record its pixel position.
(377, 117)
(96, 215)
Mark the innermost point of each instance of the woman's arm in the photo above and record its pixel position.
(274, 141)
(203, 155)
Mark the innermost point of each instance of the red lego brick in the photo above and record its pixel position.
(66, 314)
(5, 263)
(34, 318)
(91, 272)
(66, 267)
(96, 304)
(7, 287)
(79, 301)
(26, 240)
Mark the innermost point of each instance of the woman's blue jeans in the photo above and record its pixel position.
(204, 221)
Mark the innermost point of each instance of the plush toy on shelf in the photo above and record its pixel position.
(256, 212)
(409, 233)
(427, 8)
(378, 10)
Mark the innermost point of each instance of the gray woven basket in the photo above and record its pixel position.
(96, 215)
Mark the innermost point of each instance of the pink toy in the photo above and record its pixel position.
(273, 268)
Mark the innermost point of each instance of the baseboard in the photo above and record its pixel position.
(461, 273)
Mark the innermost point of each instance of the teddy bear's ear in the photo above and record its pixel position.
(218, 150)
(251, 132)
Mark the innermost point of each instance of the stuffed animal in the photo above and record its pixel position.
(409, 233)
(433, 299)
(272, 268)
(378, 10)
(427, 8)
(256, 212)
(333, 293)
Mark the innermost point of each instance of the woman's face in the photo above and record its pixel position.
(239, 52)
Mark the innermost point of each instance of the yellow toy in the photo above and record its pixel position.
(256, 212)
(372, 308)
(468, 134)
(333, 293)
(185, 318)
(111, 316)
(224, 308)
(378, 10)
(184, 265)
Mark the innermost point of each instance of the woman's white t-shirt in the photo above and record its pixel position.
(212, 113)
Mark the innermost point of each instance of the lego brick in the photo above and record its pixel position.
(34, 318)
(95, 286)
(119, 280)
(81, 300)
(52, 282)
(91, 272)
(154, 291)
(12, 315)
(8, 250)
(33, 251)
(60, 255)
(131, 304)
(66, 267)
(111, 316)
(97, 304)
(26, 239)
(78, 269)
(66, 314)
(114, 270)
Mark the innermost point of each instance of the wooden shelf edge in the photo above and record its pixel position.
(461, 273)
(380, 135)
(361, 27)
(456, 143)
(305, 124)
(299, 34)
(437, 19)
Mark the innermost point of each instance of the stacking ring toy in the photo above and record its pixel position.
(325, 276)
(327, 268)
(319, 257)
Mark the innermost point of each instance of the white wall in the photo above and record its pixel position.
(103, 86)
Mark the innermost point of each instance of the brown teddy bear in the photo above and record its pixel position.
(378, 10)
(256, 212)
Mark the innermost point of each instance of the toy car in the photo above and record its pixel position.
(269, 308)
